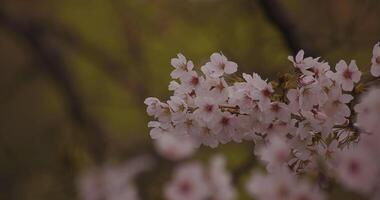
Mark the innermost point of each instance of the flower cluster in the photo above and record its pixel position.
(192, 181)
(302, 123)
(207, 109)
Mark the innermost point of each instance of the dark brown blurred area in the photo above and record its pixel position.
(74, 73)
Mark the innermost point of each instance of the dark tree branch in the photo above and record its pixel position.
(276, 14)
(50, 60)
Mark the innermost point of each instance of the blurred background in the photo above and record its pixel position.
(74, 74)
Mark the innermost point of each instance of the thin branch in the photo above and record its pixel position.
(276, 14)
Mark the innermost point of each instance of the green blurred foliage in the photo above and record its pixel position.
(42, 148)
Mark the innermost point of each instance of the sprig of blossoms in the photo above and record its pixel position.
(206, 109)
(305, 120)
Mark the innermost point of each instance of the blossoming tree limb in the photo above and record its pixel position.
(304, 125)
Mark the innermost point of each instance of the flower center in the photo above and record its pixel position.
(221, 66)
(266, 92)
(378, 60)
(185, 187)
(209, 108)
(354, 167)
(183, 66)
(224, 121)
(206, 131)
(275, 108)
(347, 74)
(194, 81)
(189, 123)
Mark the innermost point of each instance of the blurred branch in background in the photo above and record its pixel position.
(50, 59)
(277, 15)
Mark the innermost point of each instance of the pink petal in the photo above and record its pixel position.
(375, 70)
(230, 68)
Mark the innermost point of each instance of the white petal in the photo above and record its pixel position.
(347, 85)
(299, 56)
(182, 58)
(177, 73)
(356, 76)
(375, 70)
(175, 62)
(341, 66)
(352, 66)
(346, 98)
(190, 65)
(216, 58)
(230, 68)
(376, 50)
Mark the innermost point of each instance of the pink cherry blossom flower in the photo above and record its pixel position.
(368, 112)
(153, 106)
(191, 81)
(357, 170)
(375, 68)
(178, 108)
(181, 66)
(188, 183)
(336, 105)
(347, 75)
(158, 129)
(207, 108)
(220, 180)
(275, 153)
(113, 182)
(281, 185)
(218, 66)
(300, 62)
(261, 90)
(175, 147)
(225, 126)
(277, 110)
(205, 135)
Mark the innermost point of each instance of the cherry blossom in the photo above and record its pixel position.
(218, 66)
(220, 180)
(275, 154)
(193, 181)
(368, 112)
(113, 182)
(281, 185)
(174, 147)
(300, 62)
(358, 170)
(189, 183)
(347, 75)
(181, 66)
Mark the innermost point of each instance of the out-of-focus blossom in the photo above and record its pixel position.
(175, 147)
(192, 181)
(281, 185)
(218, 66)
(113, 182)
